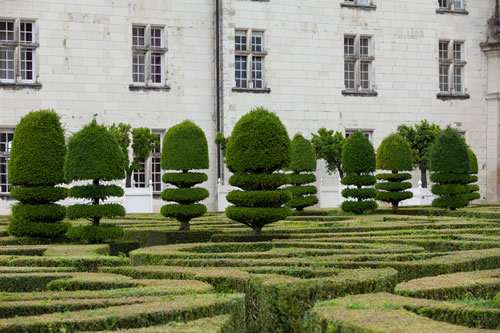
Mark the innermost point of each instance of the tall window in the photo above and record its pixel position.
(6, 136)
(451, 67)
(18, 47)
(151, 169)
(249, 59)
(148, 55)
(358, 63)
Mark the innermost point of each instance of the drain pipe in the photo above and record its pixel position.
(219, 86)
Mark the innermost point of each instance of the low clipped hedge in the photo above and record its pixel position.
(95, 234)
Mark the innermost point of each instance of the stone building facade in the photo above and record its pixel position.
(341, 64)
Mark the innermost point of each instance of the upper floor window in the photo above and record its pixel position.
(452, 69)
(451, 6)
(18, 52)
(358, 65)
(362, 4)
(249, 60)
(148, 56)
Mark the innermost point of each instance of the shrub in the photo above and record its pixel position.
(394, 154)
(358, 160)
(450, 168)
(36, 166)
(95, 234)
(472, 186)
(257, 149)
(185, 148)
(94, 155)
(302, 165)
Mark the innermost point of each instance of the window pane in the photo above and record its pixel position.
(156, 37)
(458, 4)
(138, 68)
(138, 35)
(27, 64)
(257, 41)
(156, 166)
(241, 71)
(5, 139)
(26, 32)
(240, 40)
(139, 176)
(458, 51)
(444, 78)
(6, 31)
(458, 79)
(257, 72)
(349, 46)
(349, 75)
(365, 75)
(6, 64)
(156, 60)
(443, 3)
(364, 46)
(443, 50)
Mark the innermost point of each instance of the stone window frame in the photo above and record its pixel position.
(357, 60)
(152, 172)
(368, 132)
(17, 46)
(450, 7)
(448, 66)
(6, 133)
(359, 4)
(148, 51)
(247, 56)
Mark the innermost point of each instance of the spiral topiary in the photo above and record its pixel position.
(35, 168)
(450, 168)
(94, 155)
(302, 165)
(184, 148)
(394, 154)
(358, 161)
(257, 149)
(472, 186)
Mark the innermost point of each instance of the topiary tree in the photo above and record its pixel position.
(94, 155)
(450, 168)
(394, 154)
(184, 148)
(257, 149)
(36, 166)
(358, 161)
(472, 186)
(302, 165)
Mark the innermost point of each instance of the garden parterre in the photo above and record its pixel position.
(310, 273)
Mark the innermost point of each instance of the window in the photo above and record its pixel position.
(6, 136)
(150, 172)
(358, 3)
(445, 6)
(18, 51)
(367, 132)
(451, 68)
(140, 175)
(148, 56)
(249, 59)
(358, 65)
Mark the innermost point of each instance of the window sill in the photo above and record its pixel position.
(357, 6)
(452, 11)
(253, 90)
(449, 96)
(366, 93)
(135, 87)
(20, 85)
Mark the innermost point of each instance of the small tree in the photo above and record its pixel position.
(472, 186)
(394, 154)
(421, 136)
(94, 155)
(358, 161)
(258, 148)
(450, 168)
(35, 168)
(303, 166)
(184, 148)
(328, 146)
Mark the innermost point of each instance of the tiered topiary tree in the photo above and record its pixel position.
(450, 168)
(394, 154)
(258, 148)
(36, 166)
(358, 162)
(472, 186)
(94, 155)
(302, 165)
(184, 148)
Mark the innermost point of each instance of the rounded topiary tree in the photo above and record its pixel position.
(358, 161)
(184, 148)
(394, 154)
(257, 149)
(36, 166)
(450, 168)
(94, 155)
(472, 186)
(302, 165)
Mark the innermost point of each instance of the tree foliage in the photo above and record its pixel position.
(328, 146)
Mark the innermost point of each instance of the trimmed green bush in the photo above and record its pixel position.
(257, 149)
(185, 148)
(94, 155)
(302, 165)
(394, 154)
(358, 160)
(36, 166)
(450, 168)
(472, 186)
(95, 234)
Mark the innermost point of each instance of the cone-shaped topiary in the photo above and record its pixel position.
(94, 155)
(450, 168)
(184, 148)
(257, 149)
(358, 161)
(394, 154)
(36, 165)
(472, 186)
(302, 165)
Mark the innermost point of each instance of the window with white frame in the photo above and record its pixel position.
(148, 55)
(18, 45)
(457, 5)
(451, 67)
(361, 3)
(358, 63)
(6, 136)
(367, 132)
(150, 172)
(249, 59)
